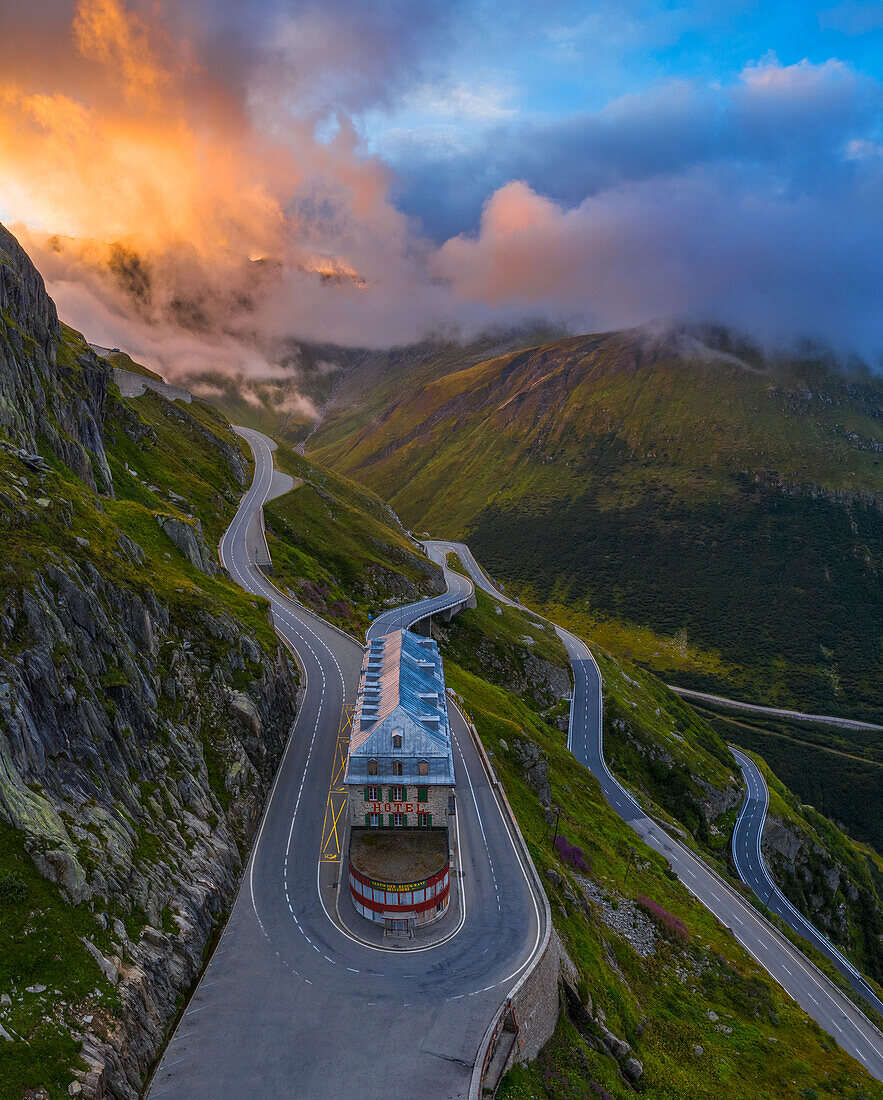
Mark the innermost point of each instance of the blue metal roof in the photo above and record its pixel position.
(401, 692)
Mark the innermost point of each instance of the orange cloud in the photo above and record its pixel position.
(120, 40)
(155, 187)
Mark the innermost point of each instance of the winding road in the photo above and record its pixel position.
(291, 1004)
(800, 978)
(753, 872)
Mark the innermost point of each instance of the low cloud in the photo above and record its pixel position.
(698, 245)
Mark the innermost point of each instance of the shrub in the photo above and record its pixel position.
(670, 925)
(576, 857)
(13, 889)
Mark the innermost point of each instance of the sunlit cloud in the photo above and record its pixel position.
(197, 182)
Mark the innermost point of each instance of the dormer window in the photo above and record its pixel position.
(396, 740)
(396, 767)
(372, 767)
(423, 767)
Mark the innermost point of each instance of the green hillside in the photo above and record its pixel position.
(697, 1012)
(715, 511)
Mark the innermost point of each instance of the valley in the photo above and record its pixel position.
(753, 484)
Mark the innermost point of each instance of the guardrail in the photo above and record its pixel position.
(491, 1035)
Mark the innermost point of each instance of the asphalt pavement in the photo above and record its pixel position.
(800, 978)
(290, 1005)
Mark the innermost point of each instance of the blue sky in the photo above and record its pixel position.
(523, 67)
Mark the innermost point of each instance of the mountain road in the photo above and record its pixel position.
(290, 1004)
(801, 979)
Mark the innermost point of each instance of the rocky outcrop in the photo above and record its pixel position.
(818, 885)
(188, 538)
(535, 767)
(511, 665)
(591, 1024)
(50, 388)
(718, 801)
(135, 765)
(141, 722)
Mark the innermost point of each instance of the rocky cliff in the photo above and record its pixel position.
(48, 393)
(144, 707)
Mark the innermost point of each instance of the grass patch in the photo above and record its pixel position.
(340, 550)
(40, 945)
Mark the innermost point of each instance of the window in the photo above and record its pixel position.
(372, 767)
(396, 740)
(398, 820)
(423, 767)
(372, 794)
(398, 794)
(423, 794)
(373, 820)
(424, 820)
(396, 767)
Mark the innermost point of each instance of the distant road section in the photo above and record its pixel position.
(774, 712)
(133, 385)
(752, 869)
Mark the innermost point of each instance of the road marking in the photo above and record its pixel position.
(329, 851)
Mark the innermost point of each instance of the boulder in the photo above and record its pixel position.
(106, 967)
(244, 709)
(619, 1048)
(632, 1068)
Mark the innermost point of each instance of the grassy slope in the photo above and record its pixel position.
(340, 549)
(572, 465)
(674, 990)
(660, 1004)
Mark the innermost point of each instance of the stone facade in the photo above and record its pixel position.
(411, 802)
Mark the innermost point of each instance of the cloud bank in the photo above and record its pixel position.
(195, 184)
